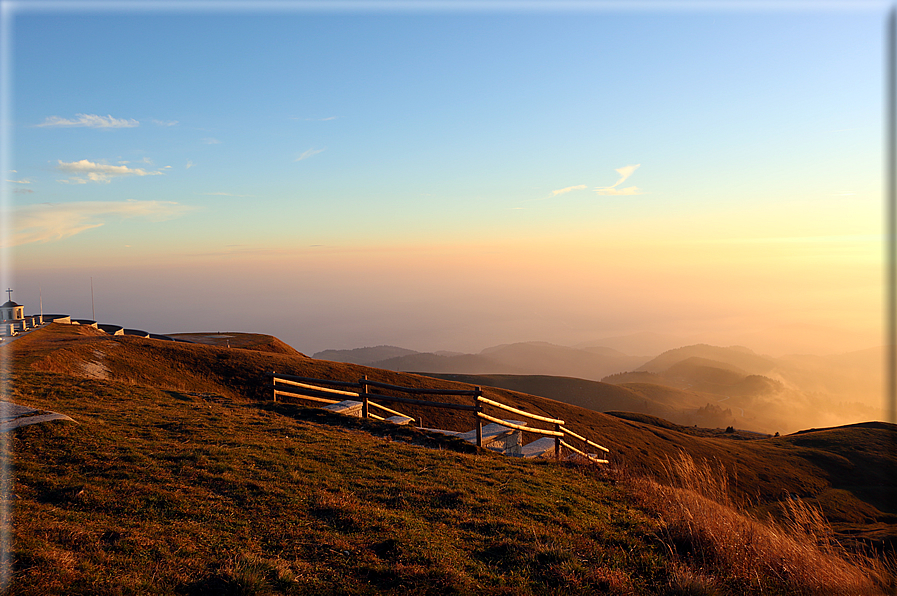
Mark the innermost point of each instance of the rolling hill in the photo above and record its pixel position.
(736, 356)
(364, 355)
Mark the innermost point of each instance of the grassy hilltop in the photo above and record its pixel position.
(181, 478)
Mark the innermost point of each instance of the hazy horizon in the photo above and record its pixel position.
(451, 179)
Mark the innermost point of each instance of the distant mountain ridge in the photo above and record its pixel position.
(363, 355)
(738, 356)
(519, 358)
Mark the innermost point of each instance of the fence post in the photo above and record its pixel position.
(364, 396)
(478, 421)
(557, 443)
(274, 384)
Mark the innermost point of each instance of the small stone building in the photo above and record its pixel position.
(13, 319)
(10, 312)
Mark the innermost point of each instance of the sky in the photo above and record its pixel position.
(444, 177)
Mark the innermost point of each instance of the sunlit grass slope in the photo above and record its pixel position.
(179, 479)
(162, 492)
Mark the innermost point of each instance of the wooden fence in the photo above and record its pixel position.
(316, 390)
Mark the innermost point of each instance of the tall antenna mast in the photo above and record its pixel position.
(93, 314)
(40, 292)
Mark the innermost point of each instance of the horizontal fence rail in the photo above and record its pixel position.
(281, 376)
(322, 400)
(540, 431)
(519, 412)
(384, 408)
(421, 402)
(585, 440)
(312, 389)
(420, 391)
(585, 455)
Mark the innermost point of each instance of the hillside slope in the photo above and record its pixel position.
(180, 477)
(245, 341)
(768, 468)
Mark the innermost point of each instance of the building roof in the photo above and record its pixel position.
(9, 303)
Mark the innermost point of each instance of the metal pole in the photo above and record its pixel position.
(93, 314)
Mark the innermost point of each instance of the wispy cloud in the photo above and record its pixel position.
(561, 191)
(22, 191)
(89, 121)
(165, 122)
(49, 222)
(211, 141)
(84, 171)
(625, 172)
(190, 164)
(23, 181)
(308, 154)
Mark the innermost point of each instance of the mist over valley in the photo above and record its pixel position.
(703, 385)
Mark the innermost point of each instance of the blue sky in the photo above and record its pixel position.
(663, 164)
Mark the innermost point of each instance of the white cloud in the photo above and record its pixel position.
(211, 141)
(85, 171)
(624, 172)
(308, 154)
(555, 193)
(190, 164)
(90, 121)
(629, 190)
(23, 181)
(46, 222)
(165, 122)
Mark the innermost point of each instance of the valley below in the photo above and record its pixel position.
(699, 385)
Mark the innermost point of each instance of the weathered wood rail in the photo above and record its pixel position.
(317, 390)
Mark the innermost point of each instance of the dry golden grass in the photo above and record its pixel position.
(720, 549)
